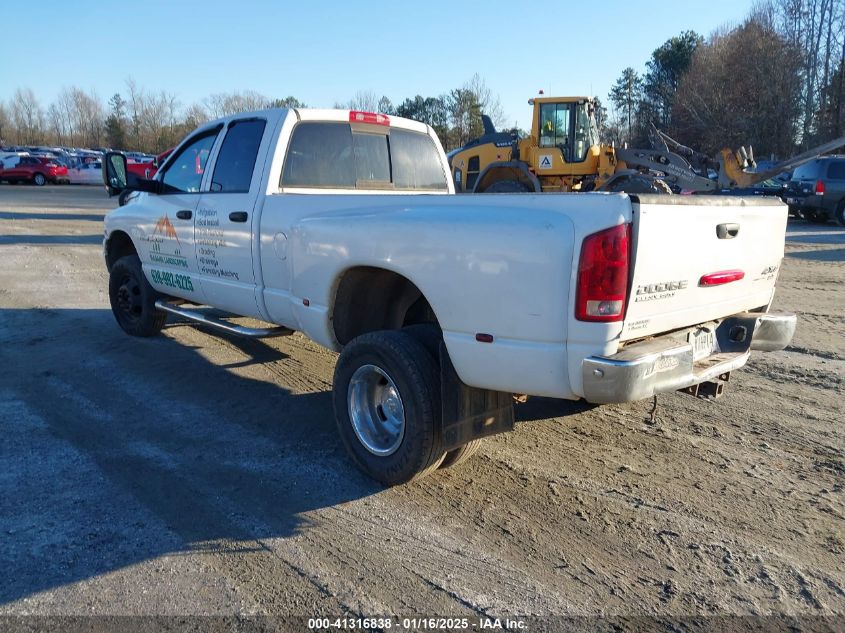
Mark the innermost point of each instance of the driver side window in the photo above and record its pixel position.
(184, 173)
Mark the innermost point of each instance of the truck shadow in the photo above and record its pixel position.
(117, 450)
(538, 408)
(255, 351)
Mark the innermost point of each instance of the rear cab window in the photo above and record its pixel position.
(338, 155)
(807, 171)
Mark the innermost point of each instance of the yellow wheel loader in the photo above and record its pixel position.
(563, 153)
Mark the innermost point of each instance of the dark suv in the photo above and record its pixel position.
(817, 190)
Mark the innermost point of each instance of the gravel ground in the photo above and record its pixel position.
(198, 474)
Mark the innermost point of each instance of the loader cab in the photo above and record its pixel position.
(567, 125)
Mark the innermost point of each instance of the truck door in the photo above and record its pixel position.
(223, 227)
(169, 237)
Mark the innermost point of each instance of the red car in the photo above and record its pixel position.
(36, 170)
(148, 170)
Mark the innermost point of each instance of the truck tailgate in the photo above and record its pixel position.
(700, 258)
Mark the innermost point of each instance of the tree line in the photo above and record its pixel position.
(138, 119)
(148, 121)
(775, 82)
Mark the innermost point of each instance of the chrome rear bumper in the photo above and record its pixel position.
(666, 363)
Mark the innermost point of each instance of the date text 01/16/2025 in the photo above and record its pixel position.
(414, 624)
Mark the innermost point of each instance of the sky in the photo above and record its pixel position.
(324, 52)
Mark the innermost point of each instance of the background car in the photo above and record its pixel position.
(817, 190)
(148, 169)
(34, 169)
(86, 173)
(10, 159)
(770, 187)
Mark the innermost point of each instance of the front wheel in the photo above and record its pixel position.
(133, 299)
(39, 179)
(387, 406)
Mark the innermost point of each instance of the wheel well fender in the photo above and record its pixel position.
(507, 170)
(368, 299)
(118, 245)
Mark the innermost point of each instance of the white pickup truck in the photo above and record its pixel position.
(342, 225)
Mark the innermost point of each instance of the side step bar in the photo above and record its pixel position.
(219, 324)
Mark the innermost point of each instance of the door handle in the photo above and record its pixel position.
(727, 231)
(184, 215)
(238, 216)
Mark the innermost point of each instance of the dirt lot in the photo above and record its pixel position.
(199, 474)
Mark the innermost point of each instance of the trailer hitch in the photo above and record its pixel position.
(710, 389)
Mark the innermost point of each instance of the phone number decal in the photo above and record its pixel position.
(174, 280)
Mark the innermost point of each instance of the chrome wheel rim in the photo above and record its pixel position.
(376, 410)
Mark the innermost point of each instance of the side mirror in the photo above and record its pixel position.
(115, 173)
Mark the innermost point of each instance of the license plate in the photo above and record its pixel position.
(703, 343)
(792, 201)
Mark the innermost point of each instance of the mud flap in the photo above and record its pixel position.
(470, 413)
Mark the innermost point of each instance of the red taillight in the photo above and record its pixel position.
(603, 275)
(369, 117)
(819, 188)
(721, 277)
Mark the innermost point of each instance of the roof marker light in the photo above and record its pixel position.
(372, 118)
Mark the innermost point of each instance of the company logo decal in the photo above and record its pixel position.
(164, 228)
(165, 247)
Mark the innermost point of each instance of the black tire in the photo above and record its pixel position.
(507, 186)
(839, 215)
(133, 299)
(817, 217)
(458, 456)
(639, 183)
(430, 336)
(403, 359)
(39, 180)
